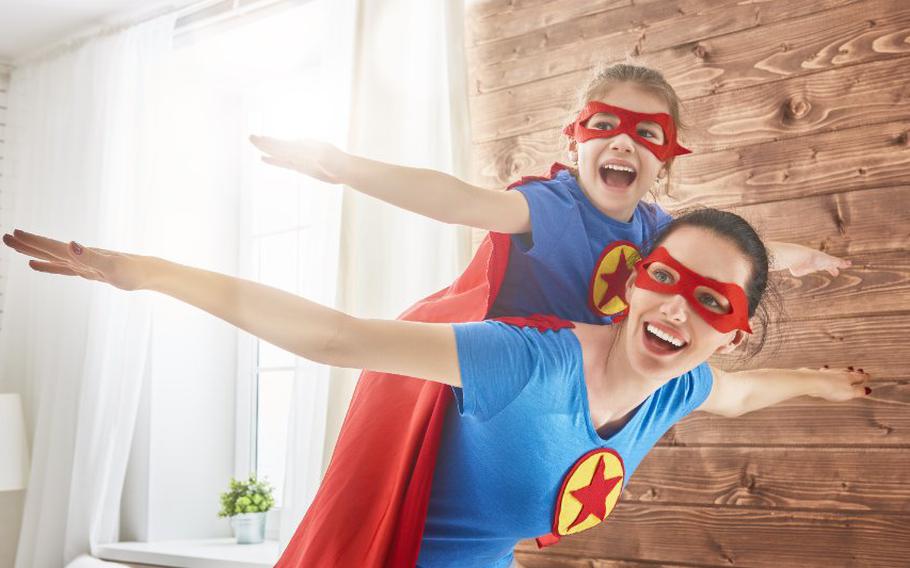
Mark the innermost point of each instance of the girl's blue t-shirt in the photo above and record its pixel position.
(552, 269)
(521, 421)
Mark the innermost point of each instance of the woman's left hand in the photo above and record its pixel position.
(122, 270)
(839, 385)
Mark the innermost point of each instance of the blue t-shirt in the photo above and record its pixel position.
(552, 269)
(520, 424)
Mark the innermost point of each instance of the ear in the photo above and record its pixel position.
(737, 340)
(572, 151)
(630, 282)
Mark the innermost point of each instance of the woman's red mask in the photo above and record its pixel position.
(638, 125)
(688, 283)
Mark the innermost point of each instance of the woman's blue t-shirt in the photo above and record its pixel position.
(521, 421)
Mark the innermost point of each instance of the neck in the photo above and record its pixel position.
(627, 388)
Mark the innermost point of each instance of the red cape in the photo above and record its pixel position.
(371, 507)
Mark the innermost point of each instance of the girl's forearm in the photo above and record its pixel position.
(290, 322)
(767, 387)
(436, 195)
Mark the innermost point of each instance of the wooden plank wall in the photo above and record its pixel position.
(800, 120)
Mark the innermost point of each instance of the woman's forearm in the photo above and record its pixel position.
(290, 322)
(767, 387)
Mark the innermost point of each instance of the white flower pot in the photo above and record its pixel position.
(249, 528)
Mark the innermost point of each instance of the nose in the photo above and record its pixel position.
(674, 308)
(622, 142)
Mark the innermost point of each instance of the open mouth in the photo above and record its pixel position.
(659, 341)
(617, 175)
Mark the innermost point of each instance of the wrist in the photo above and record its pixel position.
(154, 272)
(337, 164)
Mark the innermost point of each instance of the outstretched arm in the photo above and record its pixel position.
(293, 323)
(800, 260)
(427, 192)
(735, 394)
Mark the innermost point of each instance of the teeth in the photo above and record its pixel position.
(619, 168)
(666, 337)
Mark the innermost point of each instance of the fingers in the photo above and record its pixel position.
(23, 248)
(279, 162)
(52, 268)
(269, 145)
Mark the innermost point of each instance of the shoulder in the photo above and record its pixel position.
(696, 386)
(653, 215)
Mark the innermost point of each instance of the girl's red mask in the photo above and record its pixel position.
(686, 285)
(628, 123)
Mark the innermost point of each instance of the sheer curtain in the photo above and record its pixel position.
(81, 166)
(409, 106)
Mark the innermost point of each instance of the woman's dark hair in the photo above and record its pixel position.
(760, 290)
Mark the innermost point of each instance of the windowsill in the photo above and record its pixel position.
(208, 553)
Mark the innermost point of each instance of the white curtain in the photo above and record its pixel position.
(409, 106)
(82, 167)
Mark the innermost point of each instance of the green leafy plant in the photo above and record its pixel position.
(251, 496)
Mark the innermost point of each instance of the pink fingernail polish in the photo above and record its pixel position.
(76, 248)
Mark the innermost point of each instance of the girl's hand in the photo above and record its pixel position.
(815, 260)
(838, 385)
(309, 157)
(124, 271)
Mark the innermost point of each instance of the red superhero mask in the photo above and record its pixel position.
(688, 283)
(663, 143)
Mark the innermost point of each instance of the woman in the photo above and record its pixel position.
(549, 424)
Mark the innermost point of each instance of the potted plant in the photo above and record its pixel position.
(246, 503)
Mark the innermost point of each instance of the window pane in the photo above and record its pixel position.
(275, 390)
(278, 261)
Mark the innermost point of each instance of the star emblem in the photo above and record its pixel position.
(593, 497)
(615, 281)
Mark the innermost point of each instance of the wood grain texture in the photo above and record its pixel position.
(873, 343)
(495, 21)
(551, 559)
(830, 479)
(853, 224)
(720, 52)
(736, 536)
(832, 162)
(877, 284)
(809, 104)
(880, 419)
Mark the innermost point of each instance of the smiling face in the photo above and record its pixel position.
(665, 335)
(615, 173)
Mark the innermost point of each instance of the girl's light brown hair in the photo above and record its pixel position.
(605, 76)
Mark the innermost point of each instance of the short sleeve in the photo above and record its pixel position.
(662, 218)
(496, 361)
(701, 380)
(549, 209)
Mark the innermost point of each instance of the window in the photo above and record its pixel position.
(279, 68)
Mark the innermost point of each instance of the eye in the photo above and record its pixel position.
(603, 125)
(644, 133)
(712, 302)
(709, 301)
(661, 276)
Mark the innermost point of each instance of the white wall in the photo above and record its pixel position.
(11, 502)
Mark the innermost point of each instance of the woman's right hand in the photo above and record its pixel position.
(124, 271)
(310, 157)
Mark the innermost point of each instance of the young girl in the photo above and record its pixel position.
(562, 246)
(549, 425)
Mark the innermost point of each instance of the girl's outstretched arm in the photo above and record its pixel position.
(295, 324)
(735, 394)
(427, 192)
(800, 260)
